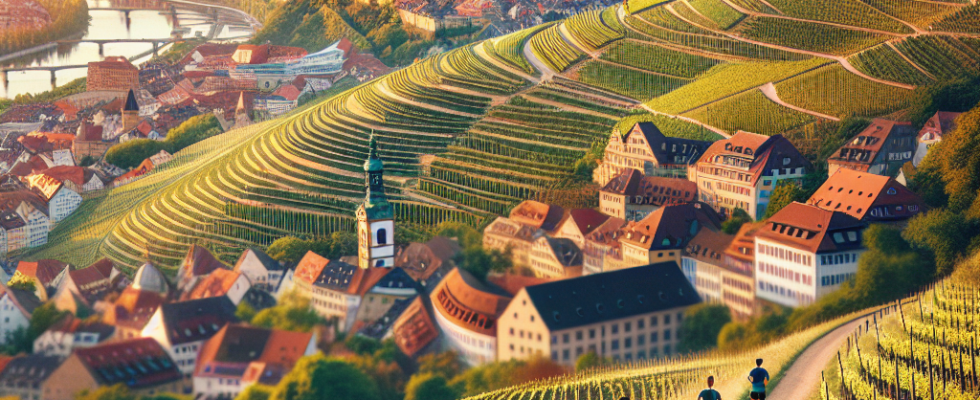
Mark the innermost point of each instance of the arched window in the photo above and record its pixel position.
(382, 237)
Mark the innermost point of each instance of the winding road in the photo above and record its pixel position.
(802, 378)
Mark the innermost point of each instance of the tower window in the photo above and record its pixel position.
(382, 236)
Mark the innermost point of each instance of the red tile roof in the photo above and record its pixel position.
(537, 214)
(63, 173)
(859, 152)
(230, 352)
(199, 262)
(217, 283)
(45, 185)
(133, 308)
(762, 153)
(672, 227)
(586, 219)
(940, 124)
(812, 229)
(857, 193)
(44, 270)
(414, 329)
(289, 92)
(469, 304)
(113, 62)
(310, 267)
(709, 246)
(653, 190)
(137, 363)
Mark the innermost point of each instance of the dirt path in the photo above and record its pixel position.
(770, 91)
(802, 377)
(546, 72)
(482, 53)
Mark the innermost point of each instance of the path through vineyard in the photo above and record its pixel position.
(802, 377)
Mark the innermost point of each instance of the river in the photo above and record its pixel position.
(121, 20)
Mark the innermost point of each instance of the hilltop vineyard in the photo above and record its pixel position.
(925, 348)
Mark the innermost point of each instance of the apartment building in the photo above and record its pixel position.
(629, 314)
(879, 149)
(466, 311)
(742, 171)
(556, 258)
(804, 253)
(867, 197)
(663, 234)
(645, 148)
(632, 196)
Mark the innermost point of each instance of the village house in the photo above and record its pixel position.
(148, 164)
(632, 196)
(505, 234)
(932, 132)
(197, 264)
(70, 333)
(879, 149)
(703, 264)
(46, 274)
(466, 311)
(665, 233)
(414, 330)
(335, 289)
(239, 356)
(579, 223)
(220, 283)
(556, 258)
(261, 270)
(867, 197)
(88, 142)
(88, 369)
(625, 315)
(804, 252)
(182, 327)
(24, 377)
(112, 73)
(16, 307)
(61, 200)
(76, 179)
(82, 288)
(602, 251)
(742, 171)
(645, 148)
(429, 261)
(138, 302)
(393, 287)
(738, 285)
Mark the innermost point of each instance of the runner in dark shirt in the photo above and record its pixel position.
(759, 378)
(709, 393)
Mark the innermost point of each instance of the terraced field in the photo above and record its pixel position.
(467, 134)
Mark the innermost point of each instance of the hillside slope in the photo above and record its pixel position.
(467, 134)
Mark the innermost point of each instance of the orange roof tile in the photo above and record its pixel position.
(310, 267)
(812, 229)
(469, 304)
(857, 193)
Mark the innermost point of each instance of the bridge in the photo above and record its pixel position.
(157, 43)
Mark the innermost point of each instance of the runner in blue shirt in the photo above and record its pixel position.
(759, 378)
(709, 393)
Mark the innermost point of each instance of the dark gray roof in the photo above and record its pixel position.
(612, 295)
(566, 251)
(665, 148)
(379, 329)
(193, 320)
(397, 279)
(27, 299)
(29, 369)
(269, 263)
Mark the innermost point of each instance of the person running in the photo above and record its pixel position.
(709, 393)
(759, 378)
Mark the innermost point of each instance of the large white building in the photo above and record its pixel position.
(804, 252)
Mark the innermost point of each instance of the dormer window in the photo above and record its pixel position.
(749, 152)
(786, 160)
(838, 237)
(892, 191)
(728, 146)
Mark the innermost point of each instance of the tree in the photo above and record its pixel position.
(589, 360)
(255, 392)
(245, 312)
(734, 223)
(292, 249)
(317, 377)
(362, 345)
(785, 193)
(429, 386)
(944, 234)
(446, 364)
(22, 282)
(480, 262)
(114, 392)
(701, 326)
(467, 236)
(293, 313)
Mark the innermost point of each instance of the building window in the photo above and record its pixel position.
(554, 356)
(666, 336)
(382, 236)
(667, 319)
(653, 337)
(641, 340)
(615, 329)
(591, 333)
(564, 355)
(639, 323)
(578, 335)
(653, 321)
(615, 344)
(628, 343)
(564, 338)
(554, 339)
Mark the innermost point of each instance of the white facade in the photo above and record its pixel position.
(183, 354)
(705, 277)
(65, 202)
(58, 343)
(63, 157)
(475, 348)
(261, 277)
(381, 243)
(327, 61)
(12, 317)
(93, 184)
(38, 225)
(238, 289)
(794, 278)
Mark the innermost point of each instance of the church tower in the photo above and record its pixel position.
(375, 217)
(130, 112)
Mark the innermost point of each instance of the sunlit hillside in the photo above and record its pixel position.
(467, 134)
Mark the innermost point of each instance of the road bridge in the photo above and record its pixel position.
(157, 43)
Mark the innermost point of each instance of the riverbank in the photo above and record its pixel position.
(69, 18)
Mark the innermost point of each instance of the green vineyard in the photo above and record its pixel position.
(468, 133)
